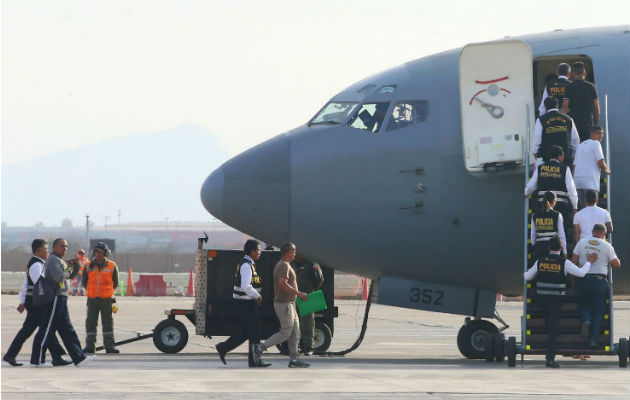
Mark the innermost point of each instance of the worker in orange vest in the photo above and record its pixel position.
(101, 279)
(77, 282)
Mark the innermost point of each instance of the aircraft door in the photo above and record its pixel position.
(496, 86)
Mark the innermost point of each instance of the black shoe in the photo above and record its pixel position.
(552, 364)
(61, 362)
(298, 364)
(259, 364)
(11, 361)
(221, 352)
(89, 350)
(112, 350)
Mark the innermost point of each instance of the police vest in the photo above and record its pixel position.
(238, 292)
(552, 177)
(556, 130)
(545, 225)
(28, 300)
(100, 282)
(558, 89)
(550, 279)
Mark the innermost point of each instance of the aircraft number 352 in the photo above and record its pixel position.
(426, 296)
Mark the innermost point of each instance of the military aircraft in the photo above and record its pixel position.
(414, 177)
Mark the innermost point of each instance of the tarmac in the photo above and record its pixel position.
(405, 354)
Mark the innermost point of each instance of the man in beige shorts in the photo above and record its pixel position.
(286, 290)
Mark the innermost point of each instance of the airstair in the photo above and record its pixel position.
(533, 329)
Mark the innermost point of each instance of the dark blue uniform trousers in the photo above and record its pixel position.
(56, 318)
(32, 322)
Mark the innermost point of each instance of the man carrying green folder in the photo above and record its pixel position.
(286, 291)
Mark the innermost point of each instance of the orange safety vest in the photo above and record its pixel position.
(100, 282)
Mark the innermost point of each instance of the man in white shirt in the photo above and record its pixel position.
(589, 163)
(593, 288)
(586, 218)
(33, 314)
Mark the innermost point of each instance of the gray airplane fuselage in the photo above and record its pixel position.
(401, 203)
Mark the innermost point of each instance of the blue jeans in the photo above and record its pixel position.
(593, 293)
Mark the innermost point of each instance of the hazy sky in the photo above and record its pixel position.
(76, 72)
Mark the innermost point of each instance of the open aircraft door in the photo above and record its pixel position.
(496, 97)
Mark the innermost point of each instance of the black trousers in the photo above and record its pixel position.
(56, 318)
(247, 311)
(551, 309)
(32, 322)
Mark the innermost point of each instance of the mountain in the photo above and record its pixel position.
(149, 177)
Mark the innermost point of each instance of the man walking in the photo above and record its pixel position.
(589, 164)
(593, 288)
(33, 314)
(101, 279)
(246, 296)
(286, 291)
(309, 279)
(56, 317)
(581, 101)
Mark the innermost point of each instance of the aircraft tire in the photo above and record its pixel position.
(170, 336)
(499, 348)
(623, 353)
(322, 338)
(511, 351)
(471, 338)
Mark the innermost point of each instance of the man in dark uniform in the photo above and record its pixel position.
(310, 279)
(33, 314)
(246, 296)
(555, 128)
(581, 102)
(550, 273)
(555, 176)
(557, 87)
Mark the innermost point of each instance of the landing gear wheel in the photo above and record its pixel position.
(499, 348)
(322, 337)
(511, 351)
(471, 338)
(623, 353)
(170, 336)
(490, 339)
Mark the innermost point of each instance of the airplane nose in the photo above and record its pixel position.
(251, 191)
(212, 193)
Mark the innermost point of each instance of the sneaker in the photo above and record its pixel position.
(84, 360)
(298, 364)
(11, 361)
(552, 364)
(112, 350)
(89, 350)
(42, 365)
(586, 327)
(61, 362)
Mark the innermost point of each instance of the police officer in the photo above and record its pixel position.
(557, 87)
(555, 128)
(545, 225)
(100, 279)
(550, 273)
(593, 288)
(246, 297)
(581, 102)
(556, 177)
(310, 279)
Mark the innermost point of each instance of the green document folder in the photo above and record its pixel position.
(314, 303)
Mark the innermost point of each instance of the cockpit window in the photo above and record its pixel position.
(407, 113)
(386, 89)
(369, 117)
(334, 113)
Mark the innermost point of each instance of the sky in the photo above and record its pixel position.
(75, 72)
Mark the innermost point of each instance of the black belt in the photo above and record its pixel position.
(604, 276)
